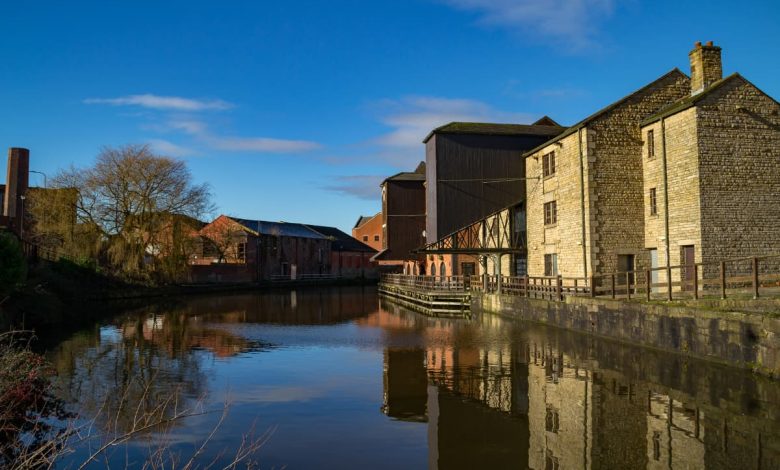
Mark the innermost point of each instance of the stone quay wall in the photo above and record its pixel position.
(744, 339)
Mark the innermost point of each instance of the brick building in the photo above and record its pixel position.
(15, 188)
(241, 250)
(403, 221)
(256, 250)
(349, 257)
(711, 168)
(368, 229)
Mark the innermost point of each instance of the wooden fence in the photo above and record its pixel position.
(749, 277)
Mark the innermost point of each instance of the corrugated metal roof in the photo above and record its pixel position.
(341, 241)
(282, 229)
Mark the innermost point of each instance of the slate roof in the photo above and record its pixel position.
(417, 175)
(283, 229)
(571, 130)
(485, 128)
(341, 241)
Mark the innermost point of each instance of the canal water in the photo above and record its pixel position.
(340, 378)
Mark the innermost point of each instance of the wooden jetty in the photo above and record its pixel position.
(431, 295)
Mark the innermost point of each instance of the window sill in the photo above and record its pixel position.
(545, 178)
(553, 225)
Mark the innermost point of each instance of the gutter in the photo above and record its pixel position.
(582, 204)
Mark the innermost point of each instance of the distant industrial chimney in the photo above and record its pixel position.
(16, 180)
(706, 67)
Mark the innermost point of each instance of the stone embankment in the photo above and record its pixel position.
(741, 333)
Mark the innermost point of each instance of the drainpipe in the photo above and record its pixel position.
(582, 205)
(666, 205)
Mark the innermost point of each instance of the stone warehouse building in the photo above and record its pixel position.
(711, 169)
(585, 210)
(683, 170)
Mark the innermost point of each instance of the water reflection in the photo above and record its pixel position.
(479, 393)
(501, 394)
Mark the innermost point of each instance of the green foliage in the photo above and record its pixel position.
(13, 267)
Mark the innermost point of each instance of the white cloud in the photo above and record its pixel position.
(360, 186)
(412, 118)
(262, 144)
(169, 148)
(175, 103)
(201, 131)
(573, 24)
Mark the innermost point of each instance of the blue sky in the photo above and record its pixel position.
(296, 110)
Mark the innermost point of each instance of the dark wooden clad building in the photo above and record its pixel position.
(475, 169)
(403, 218)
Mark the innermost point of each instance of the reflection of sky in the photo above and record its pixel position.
(319, 387)
(110, 334)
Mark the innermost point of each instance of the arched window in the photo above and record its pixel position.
(443, 269)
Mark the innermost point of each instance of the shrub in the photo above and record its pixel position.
(12, 265)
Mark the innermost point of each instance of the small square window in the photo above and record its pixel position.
(376, 238)
(365, 238)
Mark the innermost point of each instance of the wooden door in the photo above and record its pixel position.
(689, 259)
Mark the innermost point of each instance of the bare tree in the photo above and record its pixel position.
(125, 206)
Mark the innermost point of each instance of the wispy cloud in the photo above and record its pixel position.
(408, 120)
(412, 118)
(189, 117)
(360, 186)
(201, 131)
(175, 103)
(170, 149)
(572, 24)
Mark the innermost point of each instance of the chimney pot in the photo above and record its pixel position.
(697, 44)
(709, 43)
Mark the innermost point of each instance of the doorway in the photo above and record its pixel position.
(689, 260)
(625, 265)
(653, 266)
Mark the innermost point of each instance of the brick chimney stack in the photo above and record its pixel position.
(16, 180)
(706, 66)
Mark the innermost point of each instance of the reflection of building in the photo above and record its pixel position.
(405, 384)
(496, 402)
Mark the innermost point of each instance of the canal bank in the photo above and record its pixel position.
(732, 335)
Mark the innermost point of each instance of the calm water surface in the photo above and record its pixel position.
(347, 380)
